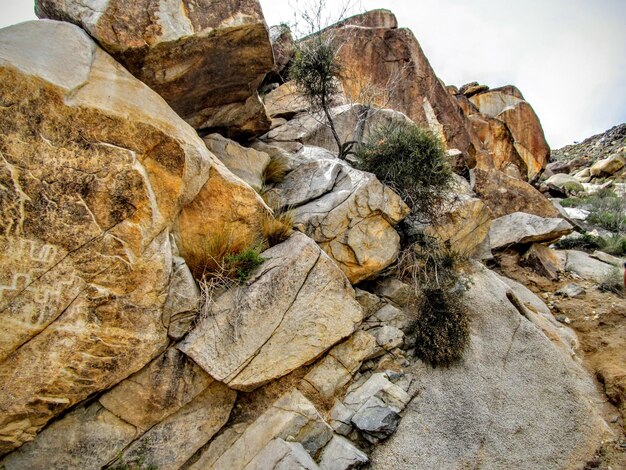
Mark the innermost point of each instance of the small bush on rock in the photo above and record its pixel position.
(412, 161)
(277, 227)
(613, 282)
(276, 170)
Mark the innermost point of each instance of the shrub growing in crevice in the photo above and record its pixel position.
(439, 331)
(277, 227)
(276, 170)
(412, 161)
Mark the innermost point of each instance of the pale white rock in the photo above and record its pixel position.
(522, 228)
(295, 306)
(282, 455)
(587, 266)
(183, 300)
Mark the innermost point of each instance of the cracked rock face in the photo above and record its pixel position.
(520, 228)
(481, 412)
(94, 170)
(206, 58)
(297, 305)
(349, 213)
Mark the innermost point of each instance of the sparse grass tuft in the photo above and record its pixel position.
(277, 227)
(607, 209)
(613, 282)
(413, 162)
(276, 170)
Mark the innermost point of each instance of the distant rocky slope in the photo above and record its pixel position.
(134, 146)
(594, 148)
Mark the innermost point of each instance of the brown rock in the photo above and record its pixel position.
(543, 260)
(386, 66)
(93, 180)
(505, 195)
(285, 101)
(508, 106)
(283, 47)
(473, 88)
(206, 59)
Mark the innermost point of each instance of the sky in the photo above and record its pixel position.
(568, 57)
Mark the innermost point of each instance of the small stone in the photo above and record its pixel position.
(572, 290)
(376, 420)
(341, 454)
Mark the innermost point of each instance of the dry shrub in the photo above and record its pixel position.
(277, 227)
(276, 170)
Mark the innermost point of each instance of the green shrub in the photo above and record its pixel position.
(412, 161)
(613, 282)
(240, 265)
(615, 245)
(607, 209)
(440, 329)
(585, 242)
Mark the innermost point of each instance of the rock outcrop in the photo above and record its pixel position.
(471, 414)
(349, 213)
(295, 307)
(206, 59)
(508, 105)
(96, 170)
(385, 66)
(521, 228)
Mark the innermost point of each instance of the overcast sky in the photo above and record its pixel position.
(568, 57)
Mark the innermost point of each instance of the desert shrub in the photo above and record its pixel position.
(607, 209)
(277, 227)
(613, 282)
(240, 265)
(585, 242)
(440, 329)
(276, 170)
(615, 245)
(410, 160)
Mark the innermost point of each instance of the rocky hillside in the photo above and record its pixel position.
(594, 148)
(191, 278)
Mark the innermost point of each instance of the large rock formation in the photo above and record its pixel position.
(508, 105)
(349, 213)
(295, 307)
(385, 66)
(95, 170)
(205, 58)
(478, 413)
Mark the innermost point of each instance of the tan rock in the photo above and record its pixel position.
(349, 213)
(246, 163)
(282, 455)
(164, 386)
(283, 46)
(183, 300)
(520, 118)
(385, 66)
(297, 305)
(169, 444)
(205, 59)
(96, 179)
(291, 417)
(87, 438)
(608, 166)
(521, 228)
(339, 366)
(285, 102)
(544, 260)
(505, 195)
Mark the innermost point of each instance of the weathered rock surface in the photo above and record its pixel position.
(247, 163)
(206, 59)
(291, 417)
(353, 122)
(164, 386)
(543, 260)
(385, 66)
(478, 413)
(587, 266)
(505, 195)
(285, 102)
(170, 443)
(297, 305)
(96, 169)
(282, 455)
(283, 46)
(349, 213)
(566, 183)
(183, 300)
(520, 228)
(341, 454)
(507, 105)
(608, 166)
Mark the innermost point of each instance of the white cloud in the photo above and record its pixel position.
(568, 57)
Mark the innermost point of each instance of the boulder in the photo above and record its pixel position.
(473, 88)
(283, 46)
(478, 414)
(97, 169)
(572, 291)
(163, 387)
(89, 437)
(183, 300)
(295, 306)
(292, 417)
(205, 59)
(173, 441)
(385, 66)
(505, 195)
(543, 260)
(341, 454)
(353, 122)
(339, 366)
(566, 183)
(608, 166)
(349, 213)
(394, 290)
(247, 163)
(520, 228)
(521, 120)
(285, 102)
(586, 266)
(282, 455)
